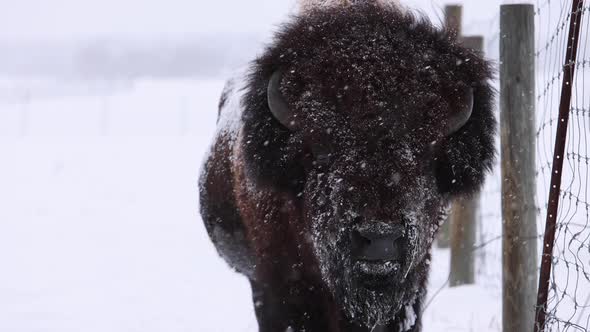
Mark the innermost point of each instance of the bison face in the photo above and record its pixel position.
(371, 200)
(372, 218)
(371, 120)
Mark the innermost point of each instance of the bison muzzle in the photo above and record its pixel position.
(334, 161)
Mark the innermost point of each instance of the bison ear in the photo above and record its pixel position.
(277, 104)
(467, 153)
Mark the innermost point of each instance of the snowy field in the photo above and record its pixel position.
(99, 224)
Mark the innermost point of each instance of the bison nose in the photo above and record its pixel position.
(377, 243)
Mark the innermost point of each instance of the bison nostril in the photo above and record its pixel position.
(359, 241)
(376, 246)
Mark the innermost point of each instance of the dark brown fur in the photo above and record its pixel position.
(371, 86)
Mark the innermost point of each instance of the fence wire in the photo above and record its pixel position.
(568, 307)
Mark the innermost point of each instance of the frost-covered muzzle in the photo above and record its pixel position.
(379, 252)
(370, 264)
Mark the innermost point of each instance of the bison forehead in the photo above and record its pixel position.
(357, 85)
(360, 61)
(367, 60)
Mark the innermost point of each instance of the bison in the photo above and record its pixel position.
(335, 158)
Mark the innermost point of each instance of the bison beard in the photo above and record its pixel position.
(334, 162)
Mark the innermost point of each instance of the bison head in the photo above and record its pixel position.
(371, 119)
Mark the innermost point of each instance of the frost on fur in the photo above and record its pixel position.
(335, 158)
(306, 5)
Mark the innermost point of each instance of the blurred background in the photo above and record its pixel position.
(68, 39)
(107, 109)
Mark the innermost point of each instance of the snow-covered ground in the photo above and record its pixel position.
(99, 223)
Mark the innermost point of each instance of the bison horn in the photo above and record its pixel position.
(459, 119)
(277, 104)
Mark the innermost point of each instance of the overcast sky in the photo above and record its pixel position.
(82, 19)
(46, 36)
(74, 19)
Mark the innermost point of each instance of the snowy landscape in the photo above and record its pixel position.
(99, 215)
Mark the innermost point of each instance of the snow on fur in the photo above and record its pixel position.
(373, 89)
(306, 5)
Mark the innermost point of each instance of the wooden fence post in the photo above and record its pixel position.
(463, 218)
(517, 131)
(463, 231)
(453, 19)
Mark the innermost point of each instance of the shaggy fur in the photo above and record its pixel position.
(308, 5)
(372, 88)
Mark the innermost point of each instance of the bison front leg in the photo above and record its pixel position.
(271, 311)
(288, 308)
